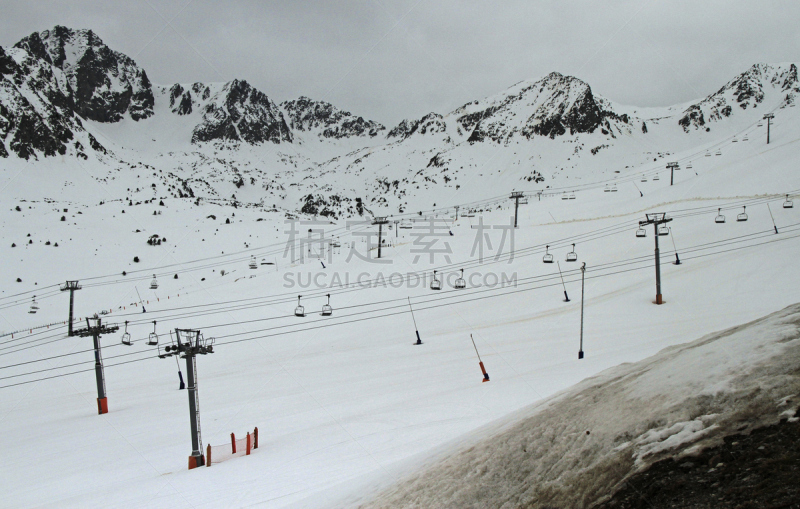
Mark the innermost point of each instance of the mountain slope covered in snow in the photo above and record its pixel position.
(64, 92)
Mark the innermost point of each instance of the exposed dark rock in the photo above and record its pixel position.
(101, 84)
(747, 471)
(242, 113)
(746, 90)
(305, 114)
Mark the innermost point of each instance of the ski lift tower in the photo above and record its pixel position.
(516, 196)
(657, 220)
(97, 330)
(189, 344)
(768, 117)
(72, 287)
(672, 167)
(380, 221)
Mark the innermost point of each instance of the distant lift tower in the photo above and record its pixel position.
(380, 221)
(657, 220)
(72, 286)
(768, 117)
(516, 196)
(672, 167)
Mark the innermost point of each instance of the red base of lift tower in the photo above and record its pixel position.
(102, 406)
(659, 300)
(196, 461)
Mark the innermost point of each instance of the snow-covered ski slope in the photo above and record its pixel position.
(578, 446)
(346, 405)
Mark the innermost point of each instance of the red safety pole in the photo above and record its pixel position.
(233, 444)
(248, 444)
(208, 455)
(255, 438)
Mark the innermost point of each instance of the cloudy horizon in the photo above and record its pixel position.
(387, 61)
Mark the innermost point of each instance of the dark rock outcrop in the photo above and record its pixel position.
(240, 112)
(305, 114)
(99, 83)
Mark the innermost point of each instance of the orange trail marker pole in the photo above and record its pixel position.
(480, 362)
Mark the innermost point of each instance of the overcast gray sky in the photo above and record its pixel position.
(392, 59)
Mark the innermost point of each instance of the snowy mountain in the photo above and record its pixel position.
(747, 90)
(100, 84)
(65, 92)
(240, 112)
(551, 106)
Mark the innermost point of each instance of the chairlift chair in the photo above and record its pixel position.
(656, 177)
(663, 230)
(745, 138)
(436, 284)
(572, 195)
(460, 282)
(126, 337)
(253, 263)
(689, 166)
(760, 124)
(734, 140)
(327, 310)
(170, 348)
(641, 232)
(153, 338)
(720, 218)
(299, 310)
(564, 196)
(788, 204)
(607, 189)
(572, 256)
(154, 283)
(34, 307)
(743, 216)
(614, 189)
(547, 258)
(718, 152)
(644, 179)
(708, 154)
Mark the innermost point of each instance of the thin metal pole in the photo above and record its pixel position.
(773, 219)
(566, 297)
(677, 259)
(516, 208)
(583, 275)
(412, 312)
(476, 348)
(416, 329)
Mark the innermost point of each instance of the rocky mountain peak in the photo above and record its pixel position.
(240, 112)
(328, 121)
(747, 90)
(551, 106)
(102, 84)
